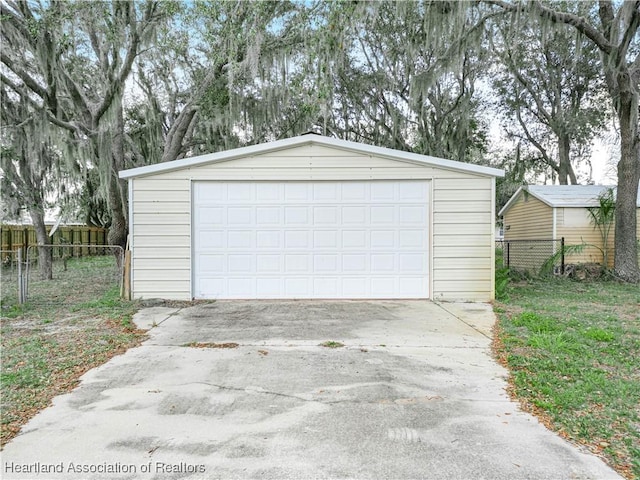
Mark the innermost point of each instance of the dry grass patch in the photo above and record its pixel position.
(48, 345)
(212, 345)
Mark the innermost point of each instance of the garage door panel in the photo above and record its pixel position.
(297, 287)
(354, 263)
(412, 215)
(211, 216)
(211, 239)
(326, 263)
(356, 287)
(383, 239)
(268, 263)
(241, 192)
(243, 263)
(365, 239)
(325, 239)
(383, 191)
(213, 286)
(214, 191)
(412, 285)
(296, 216)
(411, 262)
(326, 215)
(354, 239)
(325, 191)
(297, 239)
(239, 216)
(381, 286)
(267, 216)
(266, 192)
(354, 215)
(383, 262)
(414, 191)
(383, 214)
(268, 287)
(297, 192)
(238, 239)
(266, 239)
(325, 287)
(353, 191)
(211, 263)
(297, 263)
(412, 239)
(240, 287)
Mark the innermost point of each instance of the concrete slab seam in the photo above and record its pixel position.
(466, 323)
(172, 314)
(372, 347)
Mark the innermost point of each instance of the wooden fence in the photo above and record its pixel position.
(16, 237)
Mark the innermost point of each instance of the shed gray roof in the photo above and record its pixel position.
(578, 196)
(308, 139)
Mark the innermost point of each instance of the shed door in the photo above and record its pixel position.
(347, 239)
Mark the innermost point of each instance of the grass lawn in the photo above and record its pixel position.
(68, 326)
(573, 349)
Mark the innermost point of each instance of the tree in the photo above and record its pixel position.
(388, 73)
(32, 168)
(551, 92)
(70, 61)
(227, 76)
(615, 35)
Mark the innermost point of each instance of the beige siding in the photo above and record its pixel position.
(462, 216)
(574, 225)
(533, 219)
(462, 238)
(161, 265)
(527, 219)
(576, 228)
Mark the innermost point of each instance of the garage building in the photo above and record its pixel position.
(312, 217)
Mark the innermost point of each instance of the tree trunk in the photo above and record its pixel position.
(45, 254)
(565, 169)
(116, 193)
(626, 243)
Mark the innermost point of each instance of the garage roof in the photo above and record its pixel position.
(577, 196)
(308, 139)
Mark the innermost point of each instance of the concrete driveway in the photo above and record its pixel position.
(413, 393)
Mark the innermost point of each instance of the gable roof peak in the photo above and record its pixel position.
(309, 139)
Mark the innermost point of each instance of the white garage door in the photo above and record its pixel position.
(311, 239)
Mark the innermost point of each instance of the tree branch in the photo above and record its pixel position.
(29, 81)
(538, 145)
(529, 88)
(50, 116)
(558, 17)
(630, 32)
(15, 21)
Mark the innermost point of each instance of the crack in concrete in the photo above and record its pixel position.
(275, 394)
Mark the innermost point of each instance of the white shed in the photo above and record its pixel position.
(312, 217)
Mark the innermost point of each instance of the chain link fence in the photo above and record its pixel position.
(534, 257)
(11, 273)
(78, 273)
